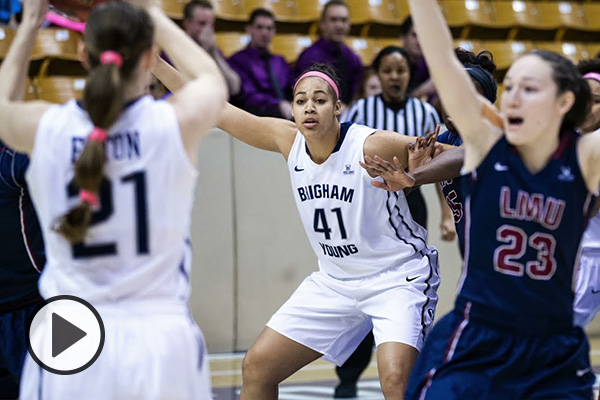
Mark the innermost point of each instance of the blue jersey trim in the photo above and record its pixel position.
(344, 126)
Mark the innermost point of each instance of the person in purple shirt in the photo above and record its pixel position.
(199, 24)
(420, 85)
(330, 49)
(266, 78)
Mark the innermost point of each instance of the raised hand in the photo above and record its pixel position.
(394, 177)
(34, 12)
(207, 39)
(447, 228)
(423, 149)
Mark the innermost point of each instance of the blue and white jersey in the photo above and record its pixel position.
(523, 233)
(21, 243)
(136, 247)
(453, 193)
(355, 229)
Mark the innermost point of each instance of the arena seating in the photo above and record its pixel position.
(58, 89)
(291, 45)
(506, 28)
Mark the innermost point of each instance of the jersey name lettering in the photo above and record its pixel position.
(119, 146)
(547, 211)
(338, 251)
(325, 191)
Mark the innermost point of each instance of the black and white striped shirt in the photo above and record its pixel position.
(414, 118)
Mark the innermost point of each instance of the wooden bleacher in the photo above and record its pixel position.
(506, 28)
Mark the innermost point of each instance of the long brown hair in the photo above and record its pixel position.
(128, 31)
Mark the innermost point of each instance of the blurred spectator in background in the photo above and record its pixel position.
(370, 86)
(267, 78)
(199, 24)
(8, 9)
(420, 84)
(330, 49)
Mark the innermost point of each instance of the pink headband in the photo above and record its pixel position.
(98, 134)
(111, 57)
(59, 20)
(322, 76)
(592, 75)
(88, 197)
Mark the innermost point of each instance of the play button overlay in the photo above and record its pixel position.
(66, 335)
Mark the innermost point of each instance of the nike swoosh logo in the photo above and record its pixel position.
(500, 167)
(411, 279)
(595, 291)
(582, 372)
(298, 169)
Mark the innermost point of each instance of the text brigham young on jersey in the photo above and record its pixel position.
(325, 191)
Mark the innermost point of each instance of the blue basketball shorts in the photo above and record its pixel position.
(465, 358)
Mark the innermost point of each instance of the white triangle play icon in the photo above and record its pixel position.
(64, 334)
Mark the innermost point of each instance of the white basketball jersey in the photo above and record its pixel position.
(137, 246)
(591, 235)
(354, 228)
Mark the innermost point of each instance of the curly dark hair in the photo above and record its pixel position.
(484, 59)
(587, 66)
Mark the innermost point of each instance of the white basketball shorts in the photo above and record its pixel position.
(150, 353)
(587, 288)
(332, 316)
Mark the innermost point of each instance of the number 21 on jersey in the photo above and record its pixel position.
(138, 182)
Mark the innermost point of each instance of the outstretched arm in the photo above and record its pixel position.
(168, 75)
(443, 167)
(454, 86)
(273, 134)
(20, 120)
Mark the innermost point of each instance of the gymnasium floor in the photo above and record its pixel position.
(317, 380)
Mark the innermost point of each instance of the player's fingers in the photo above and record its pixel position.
(397, 164)
(383, 163)
(370, 168)
(379, 184)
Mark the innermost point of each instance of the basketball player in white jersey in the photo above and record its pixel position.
(587, 290)
(375, 268)
(113, 180)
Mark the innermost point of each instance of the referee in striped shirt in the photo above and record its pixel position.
(394, 110)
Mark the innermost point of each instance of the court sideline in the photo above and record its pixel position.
(317, 380)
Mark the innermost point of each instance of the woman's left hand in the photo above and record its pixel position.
(394, 177)
(423, 149)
